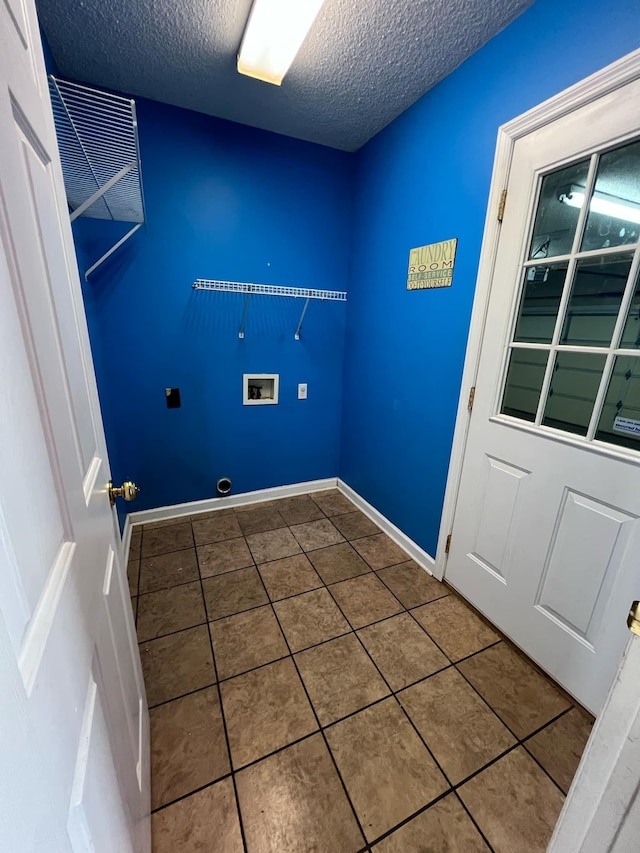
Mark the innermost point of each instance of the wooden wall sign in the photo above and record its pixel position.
(432, 266)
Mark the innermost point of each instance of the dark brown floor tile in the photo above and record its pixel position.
(316, 534)
(444, 827)
(293, 802)
(272, 504)
(521, 696)
(220, 557)
(265, 709)
(355, 525)
(364, 600)
(133, 574)
(273, 545)
(259, 520)
(559, 747)
(299, 509)
(167, 570)
(380, 551)
(166, 522)
(214, 513)
(455, 627)
(233, 592)
(188, 746)
(338, 562)
(177, 664)
(333, 502)
(402, 651)
(216, 528)
(135, 543)
(134, 607)
(289, 576)
(247, 640)
(202, 823)
(310, 618)
(340, 678)
(386, 768)
(459, 728)
(161, 540)
(170, 610)
(514, 803)
(412, 584)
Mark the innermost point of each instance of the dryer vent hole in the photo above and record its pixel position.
(223, 486)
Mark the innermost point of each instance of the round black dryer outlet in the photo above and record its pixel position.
(223, 486)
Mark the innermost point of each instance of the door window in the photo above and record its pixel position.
(574, 360)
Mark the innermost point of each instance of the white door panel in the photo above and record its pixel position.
(546, 531)
(74, 733)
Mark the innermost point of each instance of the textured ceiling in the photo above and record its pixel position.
(363, 63)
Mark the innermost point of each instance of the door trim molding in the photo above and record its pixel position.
(607, 80)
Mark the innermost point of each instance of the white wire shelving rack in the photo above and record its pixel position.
(250, 290)
(98, 140)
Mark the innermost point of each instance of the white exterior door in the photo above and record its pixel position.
(73, 717)
(546, 534)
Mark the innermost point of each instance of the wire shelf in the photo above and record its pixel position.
(269, 290)
(98, 141)
(250, 290)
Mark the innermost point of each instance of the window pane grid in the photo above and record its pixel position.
(533, 315)
(584, 210)
(590, 253)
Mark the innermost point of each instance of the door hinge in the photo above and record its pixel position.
(472, 396)
(501, 205)
(447, 546)
(633, 620)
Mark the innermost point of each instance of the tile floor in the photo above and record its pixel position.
(312, 689)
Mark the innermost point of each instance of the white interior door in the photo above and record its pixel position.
(546, 535)
(73, 717)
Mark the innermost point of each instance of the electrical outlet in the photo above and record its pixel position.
(302, 391)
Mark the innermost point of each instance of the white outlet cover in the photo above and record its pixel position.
(302, 391)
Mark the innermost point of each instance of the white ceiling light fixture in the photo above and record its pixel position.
(603, 203)
(273, 36)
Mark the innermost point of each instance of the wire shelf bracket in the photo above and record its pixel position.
(269, 290)
(100, 152)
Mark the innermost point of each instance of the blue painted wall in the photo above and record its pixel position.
(228, 202)
(423, 179)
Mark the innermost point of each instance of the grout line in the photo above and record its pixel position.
(195, 791)
(171, 633)
(222, 715)
(473, 820)
(255, 761)
(322, 732)
(519, 740)
(414, 727)
(321, 729)
(183, 695)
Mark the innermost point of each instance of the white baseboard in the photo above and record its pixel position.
(418, 554)
(162, 513)
(125, 540)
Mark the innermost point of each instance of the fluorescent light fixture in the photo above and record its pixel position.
(602, 204)
(273, 36)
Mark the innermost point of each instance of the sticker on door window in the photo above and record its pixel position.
(627, 425)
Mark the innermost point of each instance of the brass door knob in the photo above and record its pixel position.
(633, 619)
(127, 490)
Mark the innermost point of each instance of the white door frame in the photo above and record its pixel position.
(601, 83)
(602, 808)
